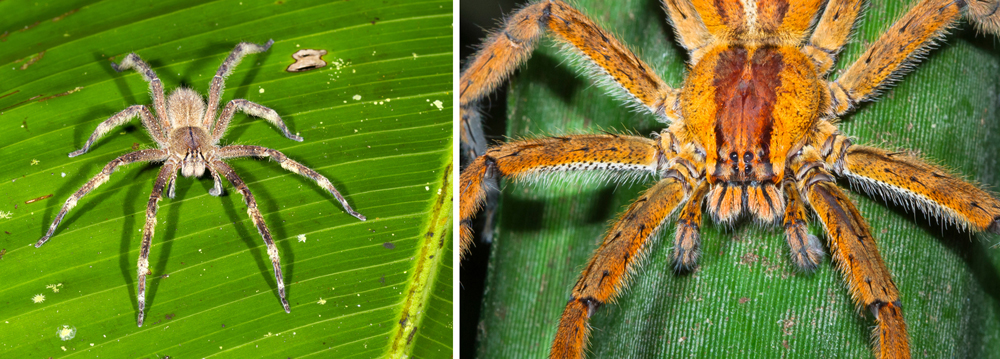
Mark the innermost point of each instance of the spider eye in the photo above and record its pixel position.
(733, 156)
(747, 156)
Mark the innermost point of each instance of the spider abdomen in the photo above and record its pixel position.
(185, 107)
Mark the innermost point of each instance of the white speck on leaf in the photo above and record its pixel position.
(38, 298)
(302, 238)
(66, 332)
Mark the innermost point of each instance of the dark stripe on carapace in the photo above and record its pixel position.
(746, 82)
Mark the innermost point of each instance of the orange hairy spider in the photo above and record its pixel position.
(751, 134)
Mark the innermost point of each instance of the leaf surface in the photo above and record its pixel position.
(376, 122)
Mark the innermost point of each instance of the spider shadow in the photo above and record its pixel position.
(523, 215)
(254, 240)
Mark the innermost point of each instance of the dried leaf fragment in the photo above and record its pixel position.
(307, 59)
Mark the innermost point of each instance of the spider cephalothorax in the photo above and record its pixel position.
(188, 134)
(750, 133)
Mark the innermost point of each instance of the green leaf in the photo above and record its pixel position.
(376, 122)
(747, 299)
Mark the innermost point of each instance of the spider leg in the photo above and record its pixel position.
(806, 249)
(288, 164)
(122, 118)
(132, 61)
(529, 158)
(617, 66)
(137, 156)
(688, 26)
(258, 221)
(608, 270)
(832, 32)
(917, 184)
(472, 140)
(219, 80)
(855, 252)
(985, 14)
(167, 175)
(893, 53)
(252, 109)
(687, 239)
(217, 183)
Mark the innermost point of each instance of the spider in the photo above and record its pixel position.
(750, 134)
(188, 133)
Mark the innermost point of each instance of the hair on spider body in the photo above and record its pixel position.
(752, 132)
(188, 133)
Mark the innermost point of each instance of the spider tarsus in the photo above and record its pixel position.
(358, 215)
(77, 152)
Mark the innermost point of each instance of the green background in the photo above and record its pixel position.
(212, 291)
(747, 299)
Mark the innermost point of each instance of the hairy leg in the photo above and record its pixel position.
(901, 178)
(805, 249)
(832, 32)
(527, 159)
(855, 252)
(606, 273)
(687, 239)
(132, 61)
(508, 48)
(258, 221)
(288, 164)
(219, 80)
(167, 174)
(688, 27)
(122, 118)
(892, 55)
(252, 109)
(138, 156)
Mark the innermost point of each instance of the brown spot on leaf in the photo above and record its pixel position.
(32, 59)
(63, 16)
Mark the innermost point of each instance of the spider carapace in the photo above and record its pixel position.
(751, 133)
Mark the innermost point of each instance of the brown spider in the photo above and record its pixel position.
(188, 136)
(751, 133)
